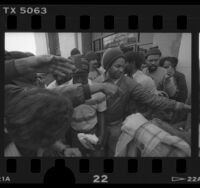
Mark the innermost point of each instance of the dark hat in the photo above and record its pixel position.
(75, 51)
(91, 56)
(110, 55)
(153, 51)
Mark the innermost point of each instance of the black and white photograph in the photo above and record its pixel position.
(97, 94)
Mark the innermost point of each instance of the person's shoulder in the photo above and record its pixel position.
(90, 81)
(145, 70)
(179, 74)
(141, 74)
(130, 82)
(147, 79)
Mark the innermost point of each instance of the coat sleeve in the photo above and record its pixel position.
(138, 93)
(182, 93)
(10, 71)
(77, 94)
(12, 91)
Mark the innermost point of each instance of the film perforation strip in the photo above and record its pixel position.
(107, 164)
(11, 22)
(36, 22)
(157, 22)
(35, 166)
(109, 22)
(133, 22)
(132, 166)
(60, 22)
(157, 166)
(181, 166)
(59, 163)
(182, 22)
(84, 165)
(11, 165)
(84, 22)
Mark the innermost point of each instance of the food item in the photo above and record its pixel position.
(92, 138)
(88, 140)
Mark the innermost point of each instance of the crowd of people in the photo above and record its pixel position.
(129, 104)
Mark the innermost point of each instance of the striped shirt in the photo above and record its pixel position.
(138, 134)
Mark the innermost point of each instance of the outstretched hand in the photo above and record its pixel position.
(45, 64)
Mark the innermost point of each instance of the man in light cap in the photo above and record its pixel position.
(157, 73)
(128, 89)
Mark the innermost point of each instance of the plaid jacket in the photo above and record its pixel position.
(143, 138)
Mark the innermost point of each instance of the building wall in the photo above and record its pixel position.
(41, 43)
(86, 42)
(146, 38)
(26, 42)
(79, 42)
(67, 43)
(168, 43)
(185, 59)
(178, 45)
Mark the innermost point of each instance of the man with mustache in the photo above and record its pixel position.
(157, 73)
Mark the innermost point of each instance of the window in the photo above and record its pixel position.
(119, 38)
(97, 45)
(24, 42)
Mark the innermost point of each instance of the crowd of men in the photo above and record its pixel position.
(129, 104)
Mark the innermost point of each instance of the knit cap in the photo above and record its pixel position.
(153, 51)
(109, 57)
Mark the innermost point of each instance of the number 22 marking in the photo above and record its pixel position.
(100, 179)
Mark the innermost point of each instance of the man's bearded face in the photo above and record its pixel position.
(153, 62)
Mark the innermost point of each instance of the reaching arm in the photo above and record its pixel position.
(154, 101)
(37, 64)
(10, 71)
(79, 93)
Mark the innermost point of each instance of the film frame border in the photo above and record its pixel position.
(156, 22)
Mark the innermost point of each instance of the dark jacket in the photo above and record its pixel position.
(76, 94)
(10, 71)
(182, 92)
(130, 90)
